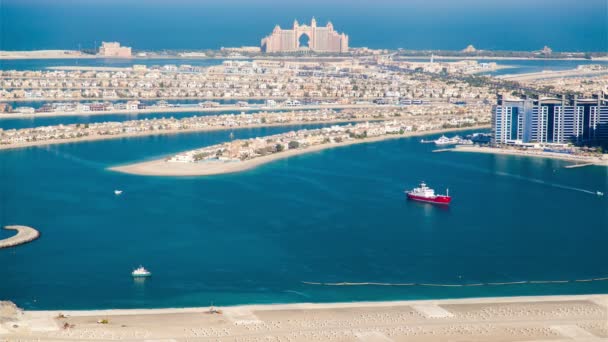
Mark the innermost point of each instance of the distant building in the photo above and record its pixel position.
(113, 49)
(319, 39)
(5, 108)
(550, 120)
(469, 49)
(546, 50)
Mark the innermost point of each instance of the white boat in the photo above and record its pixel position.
(141, 272)
(457, 140)
(117, 192)
(599, 193)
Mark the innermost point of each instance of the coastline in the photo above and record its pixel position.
(190, 110)
(175, 131)
(532, 154)
(160, 167)
(24, 235)
(552, 74)
(557, 318)
(74, 54)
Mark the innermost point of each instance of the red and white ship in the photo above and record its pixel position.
(426, 194)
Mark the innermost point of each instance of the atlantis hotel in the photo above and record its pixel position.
(305, 37)
(550, 120)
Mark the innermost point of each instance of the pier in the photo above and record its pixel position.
(24, 235)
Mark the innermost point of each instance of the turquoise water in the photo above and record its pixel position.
(40, 64)
(332, 216)
(33, 121)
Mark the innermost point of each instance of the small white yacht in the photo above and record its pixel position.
(117, 192)
(599, 193)
(141, 272)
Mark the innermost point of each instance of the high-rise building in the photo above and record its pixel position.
(550, 120)
(305, 37)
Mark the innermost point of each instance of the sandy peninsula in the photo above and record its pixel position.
(506, 319)
(160, 167)
(603, 161)
(552, 74)
(24, 235)
(192, 109)
(176, 131)
(44, 54)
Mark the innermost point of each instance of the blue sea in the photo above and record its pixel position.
(332, 216)
(564, 25)
(279, 232)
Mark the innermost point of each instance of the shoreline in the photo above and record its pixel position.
(190, 110)
(176, 131)
(506, 319)
(532, 154)
(24, 235)
(550, 74)
(330, 305)
(160, 167)
(75, 54)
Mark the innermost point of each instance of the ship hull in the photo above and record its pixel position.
(435, 199)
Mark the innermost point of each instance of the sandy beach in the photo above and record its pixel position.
(24, 235)
(540, 318)
(43, 54)
(160, 167)
(534, 154)
(553, 74)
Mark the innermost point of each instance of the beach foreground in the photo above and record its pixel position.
(546, 318)
(160, 167)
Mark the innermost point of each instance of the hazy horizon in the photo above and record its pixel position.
(413, 24)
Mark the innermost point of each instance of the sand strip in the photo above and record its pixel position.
(160, 167)
(550, 318)
(24, 235)
(177, 131)
(534, 154)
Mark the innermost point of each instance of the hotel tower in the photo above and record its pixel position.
(320, 39)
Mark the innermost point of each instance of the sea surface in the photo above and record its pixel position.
(33, 121)
(564, 25)
(41, 64)
(338, 215)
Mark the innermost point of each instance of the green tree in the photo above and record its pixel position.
(293, 144)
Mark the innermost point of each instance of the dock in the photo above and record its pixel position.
(577, 165)
(24, 235)
(443, 150)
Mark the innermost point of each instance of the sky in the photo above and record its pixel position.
(564, 25)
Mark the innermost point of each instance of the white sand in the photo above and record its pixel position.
(24, 235)
(534, 154)
(551, 318)
(160, 167)
(552, 74)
